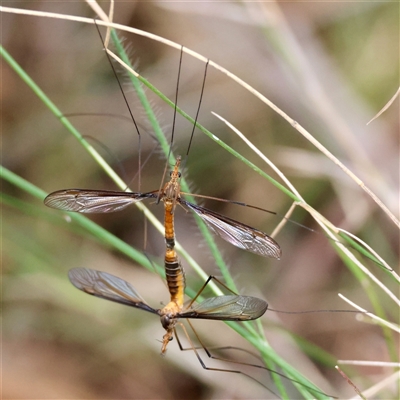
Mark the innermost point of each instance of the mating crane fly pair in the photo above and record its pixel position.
(101, 284)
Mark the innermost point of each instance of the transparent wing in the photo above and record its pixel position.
(240, 235)
(227, 308)
(106, 286)
(93, 201)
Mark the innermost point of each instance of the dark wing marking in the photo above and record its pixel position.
(93, 201)
(240, 235)
(109, 287)
(227, 308)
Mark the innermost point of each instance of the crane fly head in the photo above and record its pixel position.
(169, 317)
(175, 174)
(168, 322)
(166, 339)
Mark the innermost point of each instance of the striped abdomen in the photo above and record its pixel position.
(175, 277)
(169, 224)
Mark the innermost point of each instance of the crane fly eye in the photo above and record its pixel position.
(171, 173)
(165, 321)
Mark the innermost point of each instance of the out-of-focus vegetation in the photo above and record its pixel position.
(330, 66)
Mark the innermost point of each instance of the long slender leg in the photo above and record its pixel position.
(262, 367)
(194, 349)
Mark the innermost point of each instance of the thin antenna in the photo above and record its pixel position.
(176, 101)
(126, 102)
(198, 108)
(173, 123)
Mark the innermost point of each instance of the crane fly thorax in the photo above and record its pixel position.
(172, 189)
(168, 315)
(172, 192)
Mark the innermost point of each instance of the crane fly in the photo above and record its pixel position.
(222, 308)
(105, 201)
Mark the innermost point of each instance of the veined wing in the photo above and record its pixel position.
(240, 235)
(93, 201)
(109, 287)
(227, 308)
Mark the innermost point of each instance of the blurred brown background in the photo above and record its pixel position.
(330, 66)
